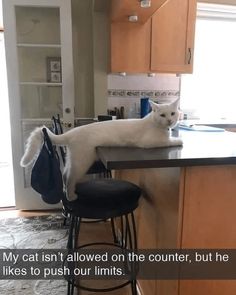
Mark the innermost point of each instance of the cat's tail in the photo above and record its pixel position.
(35, 142)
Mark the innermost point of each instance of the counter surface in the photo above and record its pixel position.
(199, 149)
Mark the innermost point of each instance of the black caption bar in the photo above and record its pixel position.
(96, 264)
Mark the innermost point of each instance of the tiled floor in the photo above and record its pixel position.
(89, 232)
(7, 213)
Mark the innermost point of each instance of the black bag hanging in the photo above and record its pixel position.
(46, 177)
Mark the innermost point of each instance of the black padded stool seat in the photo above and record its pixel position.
(104, 198)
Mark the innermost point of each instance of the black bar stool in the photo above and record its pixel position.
(104, 199)
(101, 199)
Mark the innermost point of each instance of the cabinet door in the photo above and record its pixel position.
(209, 220)
(130, 47)
(120, 10)
(173, 28)
(38, 38)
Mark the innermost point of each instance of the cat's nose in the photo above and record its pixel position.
(169, 122)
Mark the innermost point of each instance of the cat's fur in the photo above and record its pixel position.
(151, 131)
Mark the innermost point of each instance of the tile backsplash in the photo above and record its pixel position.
(127, 91)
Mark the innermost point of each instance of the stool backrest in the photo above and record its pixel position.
(57, 129)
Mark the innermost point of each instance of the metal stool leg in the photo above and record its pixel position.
(131, 244)
(114, 233)
(122, 241)
(70, 236)
(71, 245)
(77, 231)
(70, 284)
(135, 246)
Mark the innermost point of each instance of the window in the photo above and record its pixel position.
(210, 92)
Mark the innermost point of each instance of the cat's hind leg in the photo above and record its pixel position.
(76, 171)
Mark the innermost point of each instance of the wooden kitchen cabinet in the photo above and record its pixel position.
(122, 9)
(186, 208)
(162, 44)
(172, 37)
(208, 220)
(130, 47)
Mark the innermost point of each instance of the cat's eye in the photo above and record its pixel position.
(173, 113)
(163, 115)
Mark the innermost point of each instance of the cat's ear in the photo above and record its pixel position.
(175, 104)
(153, 105)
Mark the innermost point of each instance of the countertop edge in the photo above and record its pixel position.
(161, 163)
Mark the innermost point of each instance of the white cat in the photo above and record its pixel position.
(151, 131)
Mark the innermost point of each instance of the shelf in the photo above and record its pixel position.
(40, 83)
(39, 45)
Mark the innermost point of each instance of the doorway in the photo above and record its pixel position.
(7, 196)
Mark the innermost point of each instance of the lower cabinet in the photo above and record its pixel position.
(186, 208)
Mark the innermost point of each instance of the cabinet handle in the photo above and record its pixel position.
(189, 55)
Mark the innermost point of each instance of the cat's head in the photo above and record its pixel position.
(165, 115)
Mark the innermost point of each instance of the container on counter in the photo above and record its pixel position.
(144, 106)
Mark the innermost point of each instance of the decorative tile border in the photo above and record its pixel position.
(142, 93)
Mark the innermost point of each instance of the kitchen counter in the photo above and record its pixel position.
(199, 148)
(189, 201)
(224, 123)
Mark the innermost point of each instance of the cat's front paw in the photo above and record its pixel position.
(71, 195)
(176, 141)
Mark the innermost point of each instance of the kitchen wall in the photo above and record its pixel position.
(91, 55)
(230, 2)
(82, 21)
(127, 91)
(101, 58)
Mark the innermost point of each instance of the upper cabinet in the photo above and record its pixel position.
(164, 43)
(172, 37)
(122, 9)
(130, 47)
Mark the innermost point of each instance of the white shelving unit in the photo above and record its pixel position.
(38, 38)
(42, 84)
(39, 45)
